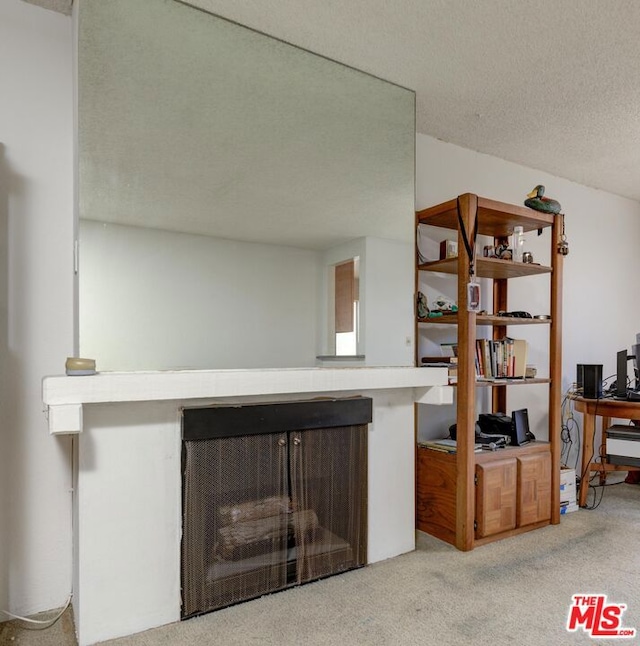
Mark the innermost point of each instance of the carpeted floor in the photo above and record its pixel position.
(516, 591)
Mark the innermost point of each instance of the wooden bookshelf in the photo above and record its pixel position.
(452, 489)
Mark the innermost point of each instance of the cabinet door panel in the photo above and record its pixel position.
(329, 496)
(232, 549)
(496, 497)
(534, 488)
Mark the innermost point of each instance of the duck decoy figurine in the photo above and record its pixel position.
(536, 200)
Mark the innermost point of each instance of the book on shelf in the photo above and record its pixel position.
(438, 360)
(451, 363)
(520, 354)
(449, 349)
(446, 445)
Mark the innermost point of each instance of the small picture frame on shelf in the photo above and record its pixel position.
(448, 249)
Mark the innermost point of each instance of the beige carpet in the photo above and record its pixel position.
(516, 591)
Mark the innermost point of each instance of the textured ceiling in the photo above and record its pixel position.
(551, 85)
(547, 84)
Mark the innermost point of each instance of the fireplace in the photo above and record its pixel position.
(129, 443)
(273, 496)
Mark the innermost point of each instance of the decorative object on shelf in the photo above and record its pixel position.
(563, 245)
(473, 296)
(519, 314)
(504, 252)
(79, 367)
(536, 200)
(527, 257)
(448, 249)
(421, 306)
(518, 243)
(444, 304)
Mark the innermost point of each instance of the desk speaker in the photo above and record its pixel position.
(589, 378)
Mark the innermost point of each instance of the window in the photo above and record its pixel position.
(346, 299)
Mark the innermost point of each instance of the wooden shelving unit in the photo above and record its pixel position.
(468, 498)
(484, 319)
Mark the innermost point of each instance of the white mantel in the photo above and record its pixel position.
(65, 396)
(127, 484)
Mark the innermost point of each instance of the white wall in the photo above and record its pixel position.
(156, 300)
(388, 302)
(601, 308)
(36, 302)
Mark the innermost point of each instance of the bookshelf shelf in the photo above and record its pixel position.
(488, 268)
(496, 383)
(459, 496)
(511, 382)
(484, 319)
(495, 219)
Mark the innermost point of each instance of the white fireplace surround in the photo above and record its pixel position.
(127, 480)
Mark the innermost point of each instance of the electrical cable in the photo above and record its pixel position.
(596, 501)
(40, 624)
(584, 481)
(569, 428)
(602, 487)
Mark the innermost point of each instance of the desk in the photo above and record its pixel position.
(605, 408)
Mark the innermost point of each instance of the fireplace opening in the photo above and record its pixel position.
(273, 496)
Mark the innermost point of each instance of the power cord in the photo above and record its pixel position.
(569, 428)
(40, 624)
(602, 488)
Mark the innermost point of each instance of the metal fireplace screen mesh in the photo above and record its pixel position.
(265, 512)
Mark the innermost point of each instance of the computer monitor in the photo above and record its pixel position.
(635, 351)
(621, 375)
(520, 427)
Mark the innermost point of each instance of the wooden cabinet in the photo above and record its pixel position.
(469, 498)
(513, 491)
(534, 489)
(496, 497)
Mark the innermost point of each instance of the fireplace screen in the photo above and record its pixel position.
(274, 495)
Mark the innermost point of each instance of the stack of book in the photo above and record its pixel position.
(494, 359)
(451, 363)
(501, 358)
(445, 445)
